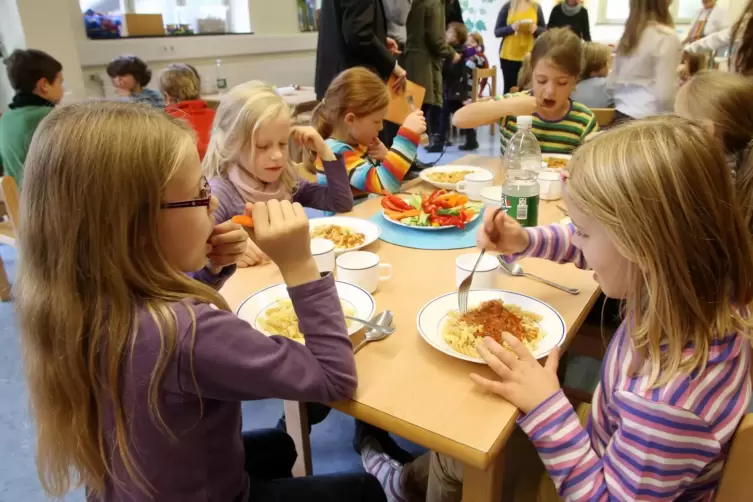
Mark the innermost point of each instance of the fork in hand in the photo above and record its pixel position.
(465, 286)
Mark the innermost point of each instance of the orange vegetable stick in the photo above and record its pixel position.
(244, 220)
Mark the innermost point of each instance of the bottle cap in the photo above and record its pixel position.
(525, 120)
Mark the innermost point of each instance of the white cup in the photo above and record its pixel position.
(323, 251)
(473, 183)
(492, 196)
(550, 185)
(362, 269)
(485, 276)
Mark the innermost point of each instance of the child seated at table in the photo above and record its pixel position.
(350, 117)
(181, 89)
(559, 123)
(136, 370)
(248, 160)
(37, 79)
(592, 89)
(675, 378)
(130, 77)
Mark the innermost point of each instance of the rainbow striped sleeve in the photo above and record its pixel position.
(656, 452)
(551, 242)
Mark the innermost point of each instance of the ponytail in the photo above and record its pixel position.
(324, 127)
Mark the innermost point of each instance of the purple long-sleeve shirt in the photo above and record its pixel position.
(224, 363)
(335, 196)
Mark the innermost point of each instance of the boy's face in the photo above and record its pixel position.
(124, 82)
(51, 91)
(552, 88)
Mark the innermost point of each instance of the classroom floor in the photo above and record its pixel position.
(331, 440)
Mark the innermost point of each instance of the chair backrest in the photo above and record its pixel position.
(604, 116)
(736, 482)
(480, 74)
(9, 197)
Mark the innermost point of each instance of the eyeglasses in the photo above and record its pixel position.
(205, 196)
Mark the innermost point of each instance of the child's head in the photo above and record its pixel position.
(595, 60)
(525, 75)
(35, 72)
(475, 39)
(658, 221)
(456, 34)
(179, 83)
(740, 60)
(642, 13)
(114, 213)
(129, 73)
(555, 61)
(252, 131)
(354, 107)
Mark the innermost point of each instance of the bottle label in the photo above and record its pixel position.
(524, 209)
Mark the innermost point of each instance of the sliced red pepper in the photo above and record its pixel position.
(398, 202)
(436, 194)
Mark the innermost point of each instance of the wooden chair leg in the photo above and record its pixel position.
(4, 284)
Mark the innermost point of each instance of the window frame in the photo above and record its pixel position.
(602, 18)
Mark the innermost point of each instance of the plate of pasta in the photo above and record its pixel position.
(271, 311)
(346, 233)
(446, 177)
(490, 312)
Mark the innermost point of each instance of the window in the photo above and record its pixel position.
(616, 11)
(201, 16)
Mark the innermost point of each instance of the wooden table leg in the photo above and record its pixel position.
(4, 284)
(484, 486)
(296, 418)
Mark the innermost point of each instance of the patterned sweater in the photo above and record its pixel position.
(368, 175)
(561, 136)
(640, 443)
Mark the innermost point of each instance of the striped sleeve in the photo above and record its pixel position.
(378, 177)
(551, 242)
(655, 453)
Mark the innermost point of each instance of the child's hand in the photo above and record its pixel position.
(378, 151)
(309, 138)
(282, 232)
(525, 383)
(253, 256)
(228, 243)
(456, 57)
(501, 233)
(416, 122)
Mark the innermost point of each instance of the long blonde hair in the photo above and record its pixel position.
(242, 111)
(642, 14)
(89, 259)
(660, 187)
(725, 100)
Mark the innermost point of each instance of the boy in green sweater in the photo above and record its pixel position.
(37, 79)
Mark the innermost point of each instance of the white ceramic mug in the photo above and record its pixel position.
(485, 276)
(492, 196)
(323, 251)
(550, 185)
(473, 183)
(362, 269)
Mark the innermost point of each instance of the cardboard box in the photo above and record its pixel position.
(399, 107)
(143, 25)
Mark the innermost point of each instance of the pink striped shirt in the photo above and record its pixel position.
(640, 443)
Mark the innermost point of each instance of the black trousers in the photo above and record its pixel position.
(510, 70)
(448, 108)
(270, 455)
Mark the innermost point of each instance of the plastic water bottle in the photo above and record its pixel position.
(523, 151)
(221, 81)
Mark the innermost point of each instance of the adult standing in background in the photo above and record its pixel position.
(452, 12)
(354, 33)
(397, 16)
(710, 19)
(425, 51)
(571, 14)
(518, 22)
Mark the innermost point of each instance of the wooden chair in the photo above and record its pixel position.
(736, 477)
(8, 227)
(480, 74)
(604, 116)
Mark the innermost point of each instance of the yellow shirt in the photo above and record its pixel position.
(516, 46)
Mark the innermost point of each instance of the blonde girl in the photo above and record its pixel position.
(518, 23)
(721, 102)
(675, 378)
(644, 74)
(592, 89)
(350, 117)
(248, 160)
(136, 371)
(559, 123)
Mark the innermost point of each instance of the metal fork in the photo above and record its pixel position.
(465, 286)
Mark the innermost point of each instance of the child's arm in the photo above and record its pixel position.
(655, 453)
(334, 194)
(551, 242)
(491, 111)
(226, 359)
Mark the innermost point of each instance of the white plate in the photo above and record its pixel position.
(545, 166)
(424, 175)
(254, 307)
(433, 316)
(369, 229)
(415, 227)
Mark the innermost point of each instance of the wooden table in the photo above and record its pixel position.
(301, 100)
(407, 387)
